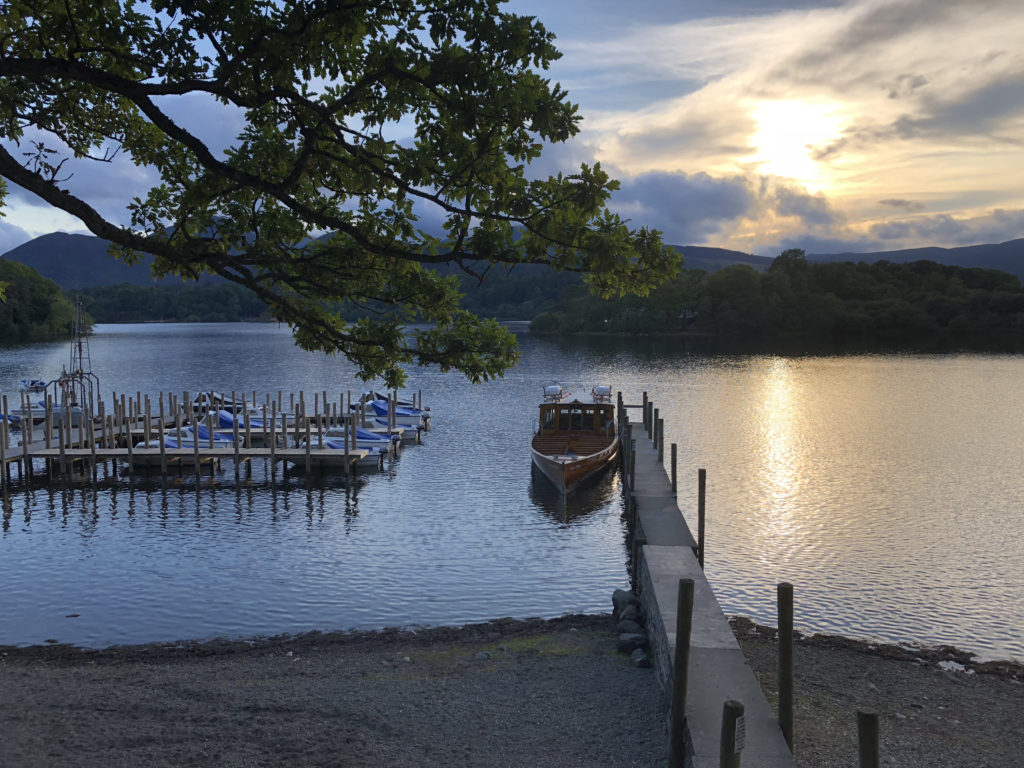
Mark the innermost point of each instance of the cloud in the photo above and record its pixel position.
(948, 230)
(903, 205)
(11, 236)
(813, 210)
(687, 209)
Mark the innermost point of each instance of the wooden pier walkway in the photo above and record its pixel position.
(287, 434)
(666, 552)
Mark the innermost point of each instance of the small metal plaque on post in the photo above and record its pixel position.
(741, 733)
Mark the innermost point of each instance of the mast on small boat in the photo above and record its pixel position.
(78, 385)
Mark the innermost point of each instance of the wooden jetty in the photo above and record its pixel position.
(165, 435)
(718, 712)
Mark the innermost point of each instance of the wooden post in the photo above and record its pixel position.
(273, 434)
(131, 449)
(160, 437)
(661, 440)
(702, 477)
(644, 419)
(655, 420)
(48, 422)
(63, 456)
(194, 423)
(28, 422)
(784, 593)
(309, 448)
(675, 474)
(92, 440)
(733, 735)
(680, 672)
(637, 551)
(3, 447)
(234, 425)
(867, 738)
(27, 462)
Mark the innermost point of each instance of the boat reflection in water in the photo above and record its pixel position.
(590, 497)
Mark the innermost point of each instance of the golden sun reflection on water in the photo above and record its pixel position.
(781, 456)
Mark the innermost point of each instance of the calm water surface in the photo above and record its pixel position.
(887, 488)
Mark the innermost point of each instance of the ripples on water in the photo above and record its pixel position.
(886, 488)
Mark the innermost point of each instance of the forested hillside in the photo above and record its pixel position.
(794, 297)
(219, 303)
(34, 309)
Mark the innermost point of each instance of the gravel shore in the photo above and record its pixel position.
(505, 693)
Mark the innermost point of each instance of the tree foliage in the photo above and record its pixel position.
(829, 301)
(323, 92)
(34, 309)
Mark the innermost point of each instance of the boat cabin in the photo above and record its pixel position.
(561, 417)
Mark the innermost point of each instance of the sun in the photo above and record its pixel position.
(789, 133)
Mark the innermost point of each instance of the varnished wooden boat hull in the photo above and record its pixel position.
(568, 472)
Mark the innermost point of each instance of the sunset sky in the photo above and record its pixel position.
(758, 126)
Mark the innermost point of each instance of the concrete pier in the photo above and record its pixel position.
(718, 670)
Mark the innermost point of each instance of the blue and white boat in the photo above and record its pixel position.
(403, 415)
(374, 455)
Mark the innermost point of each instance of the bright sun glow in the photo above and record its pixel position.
(789, 132)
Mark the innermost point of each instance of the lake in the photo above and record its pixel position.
(886, 487)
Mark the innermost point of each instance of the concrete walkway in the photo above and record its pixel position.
(718, 671)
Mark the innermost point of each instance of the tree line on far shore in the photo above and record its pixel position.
(839, 301)
(792, 298)
(32, 307)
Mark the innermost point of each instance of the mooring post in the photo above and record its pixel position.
(632, 465)
(785, 609)
(867, 738)
(636, 551)
(3, 447)
(702, 477)
(661, 440)
(644, 406)
(675, 473)
(680, 673)
(654, 427)
(733, 734)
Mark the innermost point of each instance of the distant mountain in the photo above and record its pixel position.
(712, 259)
(1007, 257)
(82, 261)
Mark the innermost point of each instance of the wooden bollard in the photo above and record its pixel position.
(867, 738)
(644, 406)
(733, 735)
(702, 477)
(785, 672)
(655, 420)
(680, 674)
(661, 440)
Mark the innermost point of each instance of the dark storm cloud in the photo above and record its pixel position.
(686, 208)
